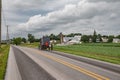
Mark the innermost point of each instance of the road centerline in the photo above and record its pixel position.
(89, 73)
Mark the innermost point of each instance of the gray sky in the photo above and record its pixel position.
(42, 17)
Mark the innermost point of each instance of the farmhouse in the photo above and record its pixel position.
(104, 39)
(116, 40)
(72, 40)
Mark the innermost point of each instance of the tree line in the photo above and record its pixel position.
(98, 38)
(84, 38)
(18, 40)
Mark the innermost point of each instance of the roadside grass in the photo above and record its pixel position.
(108, 52)
(4, 50)
(31, 45)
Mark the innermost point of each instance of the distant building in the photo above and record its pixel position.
(98, 40)
(53, 41)
(90, 40)
(72, 40)
(104, 39)
(67, 39)
(116, 40)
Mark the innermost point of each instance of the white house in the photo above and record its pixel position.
(53, 41)
(116, 40)
(72, 40)
(67, 39)
(104, 39)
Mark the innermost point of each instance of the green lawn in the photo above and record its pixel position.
(4, 50)
(102, 51)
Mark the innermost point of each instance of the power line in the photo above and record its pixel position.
(7, 36)
(4, 18)
(0, 20)
(5, 23)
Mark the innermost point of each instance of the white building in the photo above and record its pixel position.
(72, 40)
(67, 39)
(116, 40)
(104, 39)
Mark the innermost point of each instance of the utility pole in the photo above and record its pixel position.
(0, 20)
(7, 36)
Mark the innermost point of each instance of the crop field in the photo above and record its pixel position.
(4, 50)
(102, 51)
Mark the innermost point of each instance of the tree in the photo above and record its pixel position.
(24, 40)
(85, 38)
(99, 37)
(57, 37)
(73, 34)
(17, 41)
(37, 40)
(118, 37)
(31, 38)
(110, 38)
(77, 34)
(70, 35)
(52, 36)
(105, 36)
(94, 36)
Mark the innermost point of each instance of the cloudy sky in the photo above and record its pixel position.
(41, 17)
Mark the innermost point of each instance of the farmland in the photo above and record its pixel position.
(102, 51)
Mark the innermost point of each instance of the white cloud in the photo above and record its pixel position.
(76, 16)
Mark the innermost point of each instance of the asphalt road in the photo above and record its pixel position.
(29, 69)
(34, 64)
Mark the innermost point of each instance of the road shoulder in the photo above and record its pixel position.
(12, 72)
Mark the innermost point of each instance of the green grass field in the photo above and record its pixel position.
(4, 50)
(102, 51)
